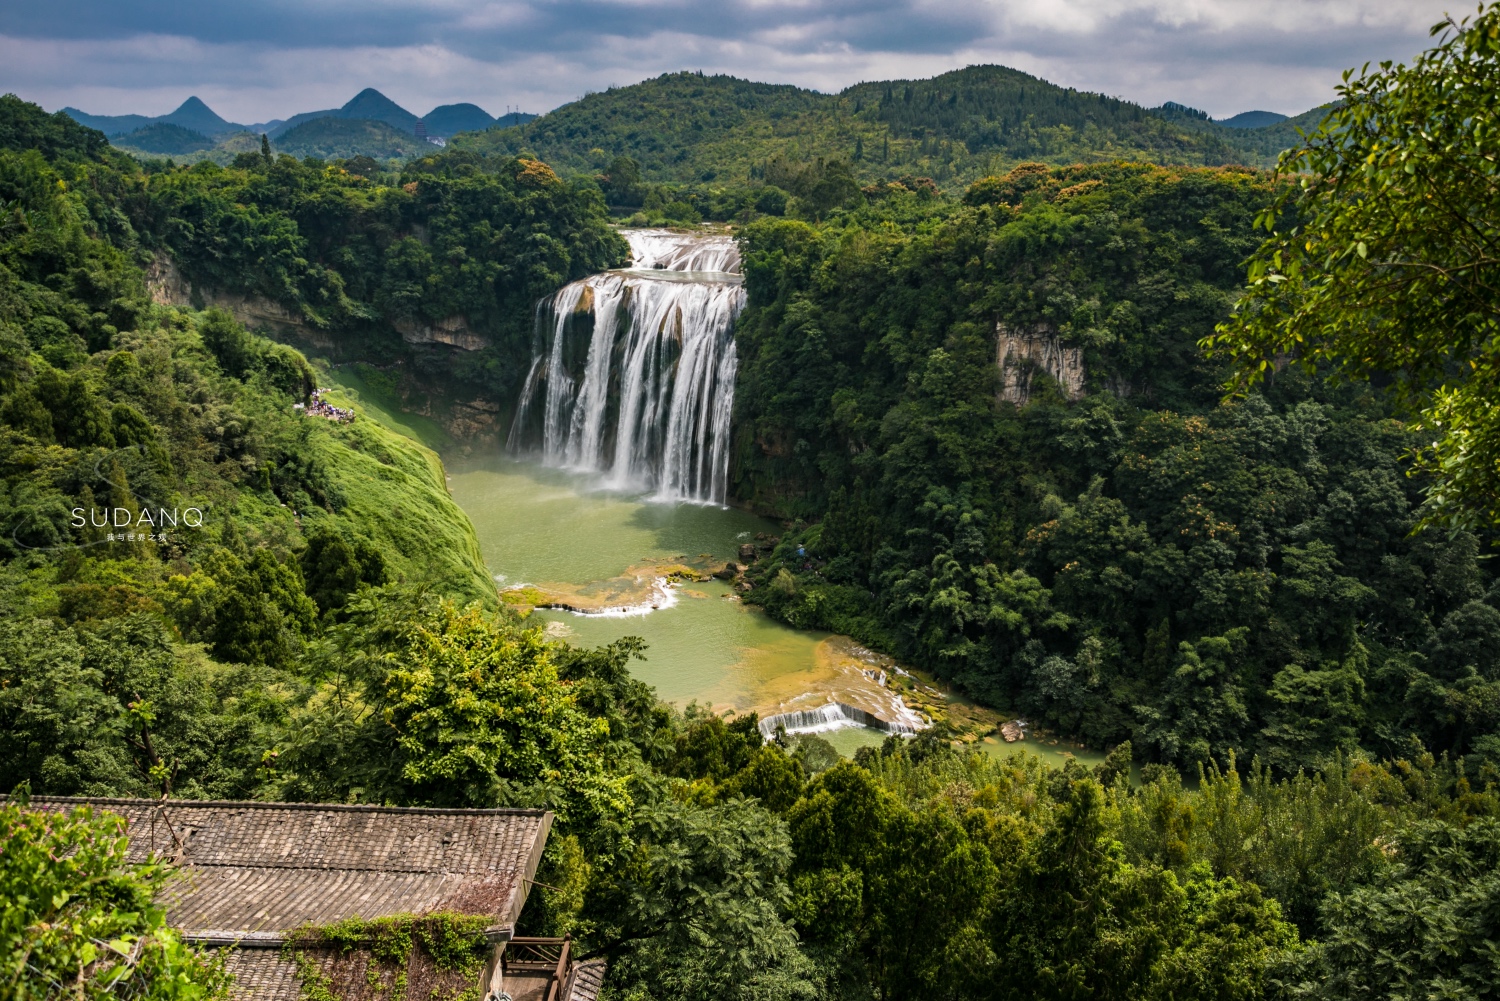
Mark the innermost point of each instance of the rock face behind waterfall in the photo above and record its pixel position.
(632, 373)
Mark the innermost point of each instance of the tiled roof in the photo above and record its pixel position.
(262, 975)
(585, 980)
(253, 871)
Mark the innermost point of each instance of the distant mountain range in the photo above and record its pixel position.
(369, 105)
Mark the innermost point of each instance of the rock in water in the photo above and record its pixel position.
(730, 572)
(747, 552)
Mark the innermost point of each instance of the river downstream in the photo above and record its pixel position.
(548, 527)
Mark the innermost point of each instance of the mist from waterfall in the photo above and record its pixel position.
(632, 373)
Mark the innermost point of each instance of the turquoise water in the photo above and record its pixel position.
(542, 526)
(555, 530)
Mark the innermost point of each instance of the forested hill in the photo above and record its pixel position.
(687, 127)
(1086, 535)
(1124, 557)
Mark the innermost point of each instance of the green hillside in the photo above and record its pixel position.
(955, 128)
(163, 137)
(25, 126)
(990, 111)
(327, 138)
(1270, 140)
(321, 138)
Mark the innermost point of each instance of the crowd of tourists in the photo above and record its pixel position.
(318, 407)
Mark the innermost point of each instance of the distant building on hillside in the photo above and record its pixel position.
(421, 129)
(256, 872)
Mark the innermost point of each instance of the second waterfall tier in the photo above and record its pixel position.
(632, 373)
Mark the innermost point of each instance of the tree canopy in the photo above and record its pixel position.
(1382, 261)
(80, 922)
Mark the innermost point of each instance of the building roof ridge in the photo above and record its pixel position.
(458, 811)
(188, 863)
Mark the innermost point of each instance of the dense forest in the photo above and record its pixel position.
(687, 128)
(1276, 612)
(363, 263)
(1144, 564)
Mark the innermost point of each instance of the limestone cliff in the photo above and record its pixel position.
(1022, 352)
(475, 422)
(169, 287)
(451, 330)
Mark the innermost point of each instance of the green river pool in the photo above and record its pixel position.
(553, 530)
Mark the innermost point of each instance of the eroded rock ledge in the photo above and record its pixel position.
(1021, 352)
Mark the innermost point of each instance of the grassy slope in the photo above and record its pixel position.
(955, 128)
(386, 408)
(396, 491)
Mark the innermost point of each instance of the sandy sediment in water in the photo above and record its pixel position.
(643, 588)
(842, 671)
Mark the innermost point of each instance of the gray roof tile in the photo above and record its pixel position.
(585, 980)
(266, 868)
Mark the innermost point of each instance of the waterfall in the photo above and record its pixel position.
(633, 370)
(664, 249)
(836, 715)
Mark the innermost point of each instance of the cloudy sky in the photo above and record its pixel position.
(253, 60)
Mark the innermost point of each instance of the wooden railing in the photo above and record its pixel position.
(549, 955)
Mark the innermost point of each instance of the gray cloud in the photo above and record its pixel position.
(259, 59)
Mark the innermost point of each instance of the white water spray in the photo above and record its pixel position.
(649, 401)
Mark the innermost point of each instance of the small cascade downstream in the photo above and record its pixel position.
(632, 372)
(837, 715)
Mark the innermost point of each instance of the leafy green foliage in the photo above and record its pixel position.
(938, 872)
(1085, 919)
(988, 110)
(455, 235)
(474, 704)
(698, 898)
(119, 414)
(334, 568)
(164, 137)
(1422, 929)
(453, 942)
(329, 138)
(65, 720)
(1140, 564)
(1381, 260)
(24, 126)
(79, 922)
(688, 128)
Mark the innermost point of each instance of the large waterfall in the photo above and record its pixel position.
(632, 373)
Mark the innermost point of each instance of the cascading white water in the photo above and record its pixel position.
(666, 250)
(649, 401)
(837, 715)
